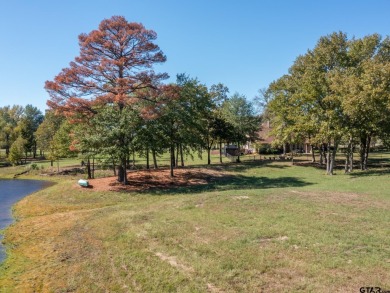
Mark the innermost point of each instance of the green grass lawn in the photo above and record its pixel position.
(266, 227)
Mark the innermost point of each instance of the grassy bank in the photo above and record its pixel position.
(268, 226)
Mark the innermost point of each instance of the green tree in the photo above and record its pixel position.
(195, 108)
(221, 131)
(240, 113)
(46, 131)
(61, 145)
(31, 119)
(16, 152)
(304, 101)
(365, 92)
(183, 114)
(282, 113)
(110, 133)
(215, 126)
(336, 93)
(9, 119)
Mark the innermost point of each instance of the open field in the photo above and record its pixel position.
(256, 226)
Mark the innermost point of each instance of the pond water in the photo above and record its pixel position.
(12, 191)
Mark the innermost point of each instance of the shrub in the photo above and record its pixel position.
(34, 166)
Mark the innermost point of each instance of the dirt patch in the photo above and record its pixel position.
(173, 262)
(361, 201)
(142, 180)
(269, 240)
(241, 197)
(213, 289)
(342, 198)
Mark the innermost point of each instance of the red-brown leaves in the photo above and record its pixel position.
(115, 62)
(171, 92)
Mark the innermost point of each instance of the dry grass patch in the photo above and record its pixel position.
(47, 252)
(362, 201)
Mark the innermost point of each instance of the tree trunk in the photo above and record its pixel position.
(362, 151)
(89, 169)
(347, 163)
(239, 152)
(351, 160)
(322, 154)
(93, 167)
(177, 156)
(34, 149)
(349, 156)
(334, 153)
(329, 166)
(313, 155)
(367, 152)
(331, 157)
(208, 155)
(147, 159)
(124, 170)
(284, 149)
(122, 173)
(220, 152)
(365, 141)
(331, 163)
(154, 158)
(172, 153)
(209, 145)
(114, 167)
(325, 150)
(181, 155)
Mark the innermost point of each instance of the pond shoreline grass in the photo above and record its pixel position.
(270, 227)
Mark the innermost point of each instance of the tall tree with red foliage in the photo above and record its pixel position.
(115, 63)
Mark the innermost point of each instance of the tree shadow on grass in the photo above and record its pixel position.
(247, 165)
(205, 178)
(375, 168)
(373, 163)
(371, 172)
(233, 182)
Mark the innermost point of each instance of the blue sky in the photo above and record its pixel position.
(243, 44)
